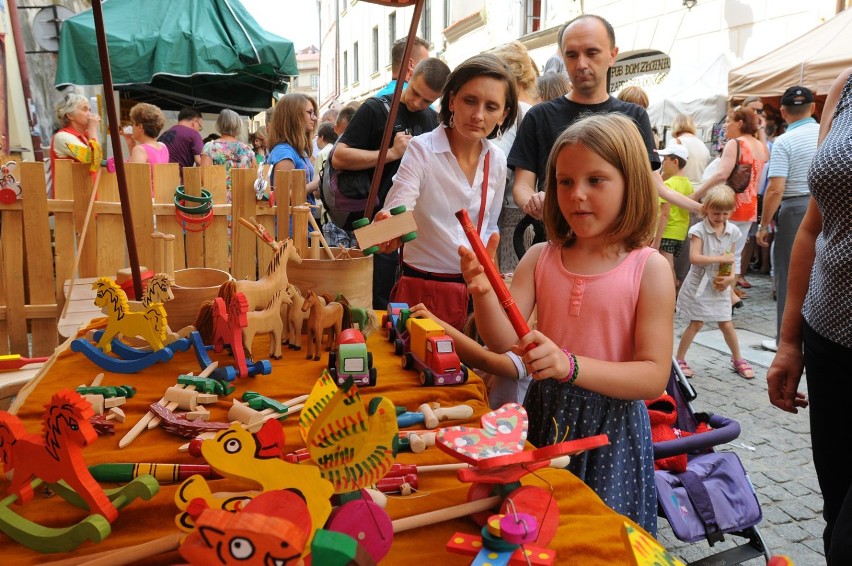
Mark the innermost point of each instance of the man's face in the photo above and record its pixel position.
(588, 55)
(418, 53)
(418, 96)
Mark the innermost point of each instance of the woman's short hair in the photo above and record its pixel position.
(517, 57)
(67, 105)
(553, 85)
(615, 138)
(149, 117)
(634, 94)
(682, 124)
(228, 123)
(484, 65)
(747, 116)
(720, 197)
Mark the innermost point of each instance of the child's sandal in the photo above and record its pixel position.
(685, 369)
(743, 368)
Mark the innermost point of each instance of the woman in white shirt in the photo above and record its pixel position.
(453, 167)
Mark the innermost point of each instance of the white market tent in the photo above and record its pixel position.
(697, 91)
(813, 60)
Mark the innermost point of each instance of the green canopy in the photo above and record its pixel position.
(207, 54)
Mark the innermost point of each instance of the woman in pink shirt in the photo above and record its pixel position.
(147, 120)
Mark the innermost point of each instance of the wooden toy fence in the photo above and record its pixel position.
(39, 236)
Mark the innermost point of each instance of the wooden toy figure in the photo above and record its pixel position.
(150, 324)
(321, 318)
(259, 293)
(296, 317)
(258, 458)
(267, 321)
(272, 528)
(57, 458)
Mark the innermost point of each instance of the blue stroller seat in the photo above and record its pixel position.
(714, 496)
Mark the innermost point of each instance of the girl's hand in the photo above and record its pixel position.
(544, 361)
(390, 245)
(420, 311)
(728, 258)
(472, 270)
(722, 281)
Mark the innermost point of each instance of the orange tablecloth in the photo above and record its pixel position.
(589, 532)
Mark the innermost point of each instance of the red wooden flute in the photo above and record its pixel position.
(506, 300)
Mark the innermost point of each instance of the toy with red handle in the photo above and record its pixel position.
(506, 299)
(16, 361)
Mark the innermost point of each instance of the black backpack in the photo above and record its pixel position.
(344, 193)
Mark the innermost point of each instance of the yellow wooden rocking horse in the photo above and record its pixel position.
(149, 324)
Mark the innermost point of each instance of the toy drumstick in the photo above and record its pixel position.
(506, 300)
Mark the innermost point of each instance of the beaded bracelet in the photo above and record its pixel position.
(573, 371)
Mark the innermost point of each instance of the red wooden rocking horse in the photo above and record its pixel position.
(58, 455)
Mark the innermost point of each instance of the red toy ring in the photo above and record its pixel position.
(192, 223)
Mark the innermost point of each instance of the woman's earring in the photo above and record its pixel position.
(499, 133)
(452, 120)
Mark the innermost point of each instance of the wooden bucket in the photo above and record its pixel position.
(353, 276)
(192, 287)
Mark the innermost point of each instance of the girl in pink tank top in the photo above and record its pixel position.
(605, 304)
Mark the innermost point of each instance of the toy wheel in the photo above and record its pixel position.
(398, 210)
(375, 534)
(8, 196)
(391, 334)
(408, 237)
(332, 371)
(360, 223)
(427, 378)
(407, 361)
(371, 250)
(373, 376)
(369, 359)
(537, 502)
(465, 372)
(398, 347)
(332, 359)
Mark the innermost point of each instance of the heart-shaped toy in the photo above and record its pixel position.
(503, 432)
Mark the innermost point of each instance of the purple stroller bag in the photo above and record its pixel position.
(713, 497)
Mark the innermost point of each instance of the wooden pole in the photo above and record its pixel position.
(112, 116)
(397, 95)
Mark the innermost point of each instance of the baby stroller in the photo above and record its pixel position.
(714, 497)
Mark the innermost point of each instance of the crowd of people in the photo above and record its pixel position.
(630, 232)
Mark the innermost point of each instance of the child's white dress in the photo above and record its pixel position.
(698, 299)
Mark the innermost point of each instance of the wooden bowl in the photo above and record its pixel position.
(352, 276)
(192, 287)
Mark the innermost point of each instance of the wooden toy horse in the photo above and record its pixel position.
(58, 455)
(228, 323)
(321, 318)
(159, 290)
(366, 319)
(296, 318)
(267, 321)
(149, 325)
(259, 293)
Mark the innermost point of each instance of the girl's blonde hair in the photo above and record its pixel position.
(288, 123)
(721, 198)
(616, 139)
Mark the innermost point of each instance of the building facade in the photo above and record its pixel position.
(660, 41)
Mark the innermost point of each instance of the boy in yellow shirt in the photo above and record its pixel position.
(674, 221)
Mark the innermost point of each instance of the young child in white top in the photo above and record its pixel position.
(704, 296)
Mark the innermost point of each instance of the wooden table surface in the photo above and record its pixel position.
(589, 532)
